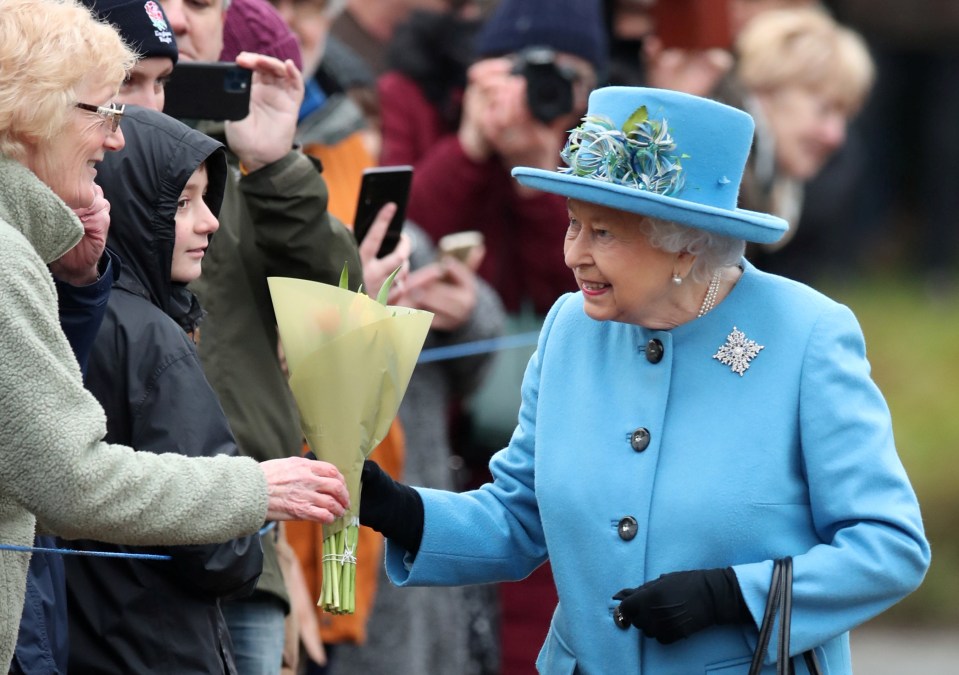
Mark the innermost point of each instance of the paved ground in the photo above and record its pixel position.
(890, 651)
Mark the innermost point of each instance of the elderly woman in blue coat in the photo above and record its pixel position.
(686, 420)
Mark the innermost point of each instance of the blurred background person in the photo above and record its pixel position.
(628, 24)
(803, 77)
(431, 52)
(361, 36)
(367, 26)
(517, 107)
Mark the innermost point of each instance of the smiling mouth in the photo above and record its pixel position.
(593, 289)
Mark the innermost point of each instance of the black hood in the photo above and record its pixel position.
(143, 183)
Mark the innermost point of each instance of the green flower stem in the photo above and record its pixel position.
(338, 594)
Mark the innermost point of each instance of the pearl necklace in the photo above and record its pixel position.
(711, 293)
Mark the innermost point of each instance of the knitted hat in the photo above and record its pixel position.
(571, 26)
(662, 154)
(255, 26)
(141, 23)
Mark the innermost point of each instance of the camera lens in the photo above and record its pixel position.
(236, 81)
(549, 88)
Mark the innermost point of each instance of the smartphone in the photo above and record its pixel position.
(459, 245)
(380, 185)
(692, 24)
(208, 91)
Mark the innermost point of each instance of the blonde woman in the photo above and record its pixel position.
(803, 77)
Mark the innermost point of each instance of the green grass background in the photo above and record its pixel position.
(912, 342)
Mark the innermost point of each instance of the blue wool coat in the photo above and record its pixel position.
(793, 457)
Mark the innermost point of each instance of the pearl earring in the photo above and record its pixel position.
(678, 280)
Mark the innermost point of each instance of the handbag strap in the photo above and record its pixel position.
(769, 617)
(779, 602)
(783, 664)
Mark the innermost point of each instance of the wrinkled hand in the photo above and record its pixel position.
(446, 288)
(392, 509)
(693, 71)
(276, 92)
(377, 270)
(304, 489)
(676, 605)
(78, 266)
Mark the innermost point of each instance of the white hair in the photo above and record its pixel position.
(712, 251)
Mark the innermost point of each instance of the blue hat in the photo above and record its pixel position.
(662, 154)
(571, 26)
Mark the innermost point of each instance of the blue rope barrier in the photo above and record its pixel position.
(426, 356)
(106, 554)
(95, 554)
(478, 347)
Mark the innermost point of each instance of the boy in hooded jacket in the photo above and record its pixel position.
(165, 189)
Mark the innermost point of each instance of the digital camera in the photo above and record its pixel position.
(549, 85)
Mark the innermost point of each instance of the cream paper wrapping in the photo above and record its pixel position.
(350, 360)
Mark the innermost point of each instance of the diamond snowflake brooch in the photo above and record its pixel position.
(738, 351)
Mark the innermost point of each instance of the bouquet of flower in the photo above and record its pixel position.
(350, 359)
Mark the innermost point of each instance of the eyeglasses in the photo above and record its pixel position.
(112, 113)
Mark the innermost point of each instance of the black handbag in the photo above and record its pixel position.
(780, 602)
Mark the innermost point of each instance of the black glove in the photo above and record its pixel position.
(392, 509)
(676, 605)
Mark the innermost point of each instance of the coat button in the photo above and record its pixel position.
(639, 439)
(627, 528)
(619, 619)
(654, 351)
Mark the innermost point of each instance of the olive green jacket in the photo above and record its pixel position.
(55, 469)
(273, 222)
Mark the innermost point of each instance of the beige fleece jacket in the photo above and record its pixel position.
(55, 469)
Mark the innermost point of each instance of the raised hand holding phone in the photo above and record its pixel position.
(208, 90)
(381, 185)
(376, 270)
(276, 92)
